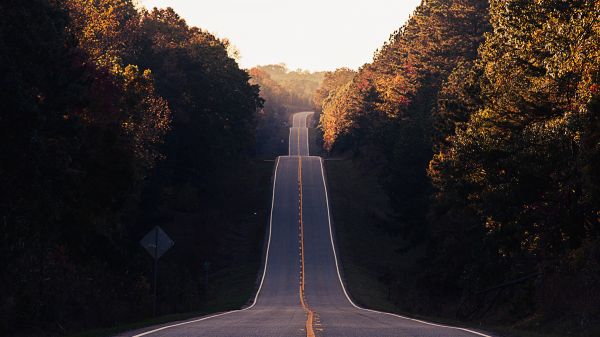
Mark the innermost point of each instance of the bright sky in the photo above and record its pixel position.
(307, 34)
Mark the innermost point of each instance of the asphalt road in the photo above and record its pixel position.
(301, 292)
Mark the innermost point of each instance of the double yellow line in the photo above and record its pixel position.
(309, 313)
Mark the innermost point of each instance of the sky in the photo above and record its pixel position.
(307, 34)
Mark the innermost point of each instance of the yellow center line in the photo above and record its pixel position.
(309, 313)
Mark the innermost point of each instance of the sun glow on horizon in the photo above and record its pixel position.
(312, 34)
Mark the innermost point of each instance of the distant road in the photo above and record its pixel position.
(301, 292)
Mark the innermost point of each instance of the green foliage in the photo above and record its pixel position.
(199, 192)
(385, 112)
(488, 137)
(115, 120)
(517, 158)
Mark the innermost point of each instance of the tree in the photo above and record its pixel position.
(510, 153)
(332, 81)
(115, 120)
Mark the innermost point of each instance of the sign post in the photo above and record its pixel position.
(156, 243)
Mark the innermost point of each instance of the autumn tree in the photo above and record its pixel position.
(332, 81)
(514, 158)
(78, 138)
(115, 119)
(107, 31)
(199, 193)
(397, 93)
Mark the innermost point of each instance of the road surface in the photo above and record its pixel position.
(301, 292)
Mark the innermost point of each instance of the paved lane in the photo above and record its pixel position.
(276, 310)
(298, 138)
(325, 294)
(300, 218)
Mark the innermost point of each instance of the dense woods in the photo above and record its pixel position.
(114, 120)
(481, 121)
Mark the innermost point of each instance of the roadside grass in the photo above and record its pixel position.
(233, 286)
(367, 251)
(138, 325)
(367, 247)
(360, 213)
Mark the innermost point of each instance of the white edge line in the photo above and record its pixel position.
(262, 280)
(344, 288)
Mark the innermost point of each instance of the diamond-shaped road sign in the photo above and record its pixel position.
(156, 242)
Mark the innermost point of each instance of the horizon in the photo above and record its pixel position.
(313, 35)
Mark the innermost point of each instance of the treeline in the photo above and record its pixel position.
(296, 87)
(116, 119)
(331, 98)
(284, 92)
(482, 121)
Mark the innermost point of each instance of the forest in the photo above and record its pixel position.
(116, 119)
(480, 120)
